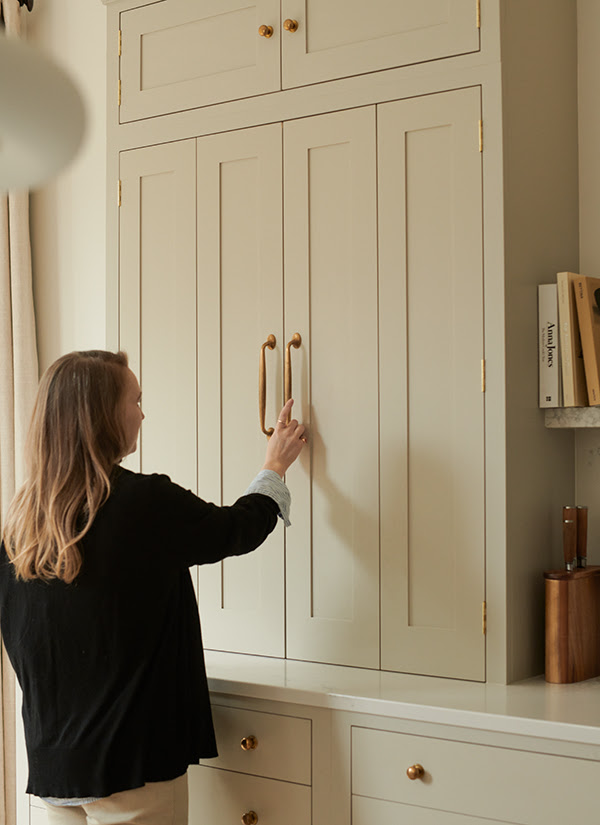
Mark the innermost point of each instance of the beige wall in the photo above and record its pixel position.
(68, 216)
(587, 451)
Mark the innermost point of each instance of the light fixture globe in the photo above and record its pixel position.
(41, 116)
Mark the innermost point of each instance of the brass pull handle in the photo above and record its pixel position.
(266, 31)
(415, 772)
(250, 818)
(249, 743)
(290, 25)
(262, 385)
(295, 342)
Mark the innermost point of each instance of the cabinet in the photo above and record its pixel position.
(489, 783)
(177, 55)
(398, 216)
(318, 179)
(264, 768)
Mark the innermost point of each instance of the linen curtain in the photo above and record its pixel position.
(18, 384)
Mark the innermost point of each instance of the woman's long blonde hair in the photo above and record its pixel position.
(75, 440)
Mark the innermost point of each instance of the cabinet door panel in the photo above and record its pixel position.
(239, 305)
(432, 408)
(179, 55)
(221, 797)
(332, 548)
(158, 303)
(341, 38)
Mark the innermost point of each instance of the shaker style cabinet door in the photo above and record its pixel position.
(240, 305)
(157, 286)
(178, 55)
(332, 548)
(432, 404)
(341, 38)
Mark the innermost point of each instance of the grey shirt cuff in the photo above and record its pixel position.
(269, 483)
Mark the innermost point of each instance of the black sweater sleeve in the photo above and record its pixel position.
(186, 530)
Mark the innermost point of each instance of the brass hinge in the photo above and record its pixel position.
(483, 375)
(120, 41)
(478, 14)
(119, 194)
(481, 135)
(484, 618)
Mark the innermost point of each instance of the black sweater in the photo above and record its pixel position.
(111, 666)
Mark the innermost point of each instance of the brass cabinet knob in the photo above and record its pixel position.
(249, 818)
(266, 31)
(290, 25)
(415, 772)
(249, 743)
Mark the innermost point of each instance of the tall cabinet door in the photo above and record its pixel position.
(341, 38)
(157, 286)
(239, 307)
(432, 408)
(332, 548)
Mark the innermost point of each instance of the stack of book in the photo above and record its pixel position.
(569, 341)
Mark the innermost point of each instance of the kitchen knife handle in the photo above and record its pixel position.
(582, 529)
(570, 537)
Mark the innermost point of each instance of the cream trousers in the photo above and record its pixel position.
(157, 803)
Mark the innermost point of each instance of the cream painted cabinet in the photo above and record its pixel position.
(157, 303)
(240, 304)
(432, 505)
(360, 232)
(339, 38)
(177, 55)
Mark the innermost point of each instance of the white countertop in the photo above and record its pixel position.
(530, 708)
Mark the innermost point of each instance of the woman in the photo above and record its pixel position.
(98, 612)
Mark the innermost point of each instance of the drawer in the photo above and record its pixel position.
(283, 744)
(493, 782)
(378, 812)
(221, 797)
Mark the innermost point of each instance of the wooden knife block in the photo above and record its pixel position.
(572, 625)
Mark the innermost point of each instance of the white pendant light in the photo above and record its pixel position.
(41, 116)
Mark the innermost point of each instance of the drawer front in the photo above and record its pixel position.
(283, 744)
(220, 798)
(378, 812)
(498, 783)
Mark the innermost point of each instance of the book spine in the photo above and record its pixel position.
(549, 365)
(586, 328)
(567, 355)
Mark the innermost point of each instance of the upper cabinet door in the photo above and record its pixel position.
(341, 38)
(157, 285)
(432, 404)
(179, 55)
(239, 307)
(332, 547)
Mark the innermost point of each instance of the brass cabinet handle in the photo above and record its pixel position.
(250, 818)
(287, 380)
(262, 385)
(249, 743)
(290, 25)
(266, 31)
(415, 772)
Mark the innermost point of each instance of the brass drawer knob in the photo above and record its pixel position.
(415, 772)
(266, 31)
(249, 743)
(290, 25)
(250, 818)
